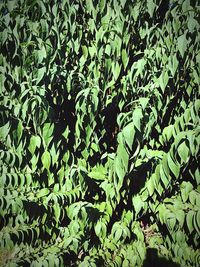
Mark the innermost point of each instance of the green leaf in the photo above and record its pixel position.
(184, 195)
(168, 132)
(163, 80)
(129, 133)
(19, 130)
(118, 234)
(46, 160)
(180, 215)
(47, 133)
(125, 58)
(123, 156)
(143, 101)
(198, 219)
(183, 152)
(182, 44)
(192, 24)
(57, 211)
(55, 10)
(151, 7)
(175, 169)
(35, 141)
(102, 4)
(4, 130)
(189, 220)
(41, 54)
(97, 175)
(193, 197)
(140, 66)
(85, 51)
(43, 192)
(108, 49)
(138, 204)
(116, 68)
(11, 5)
(163, 177)
(97, 228)
(89, 6)
(40, 74)
(119, 168)
(94, 147)
(171, 222)
(150, 186)
(186, 188)
(137, 116)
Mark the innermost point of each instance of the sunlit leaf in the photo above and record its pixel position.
(46, 160)
(182, 44)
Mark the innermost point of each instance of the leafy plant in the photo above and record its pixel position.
(99, 132)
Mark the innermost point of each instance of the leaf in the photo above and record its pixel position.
(197, 104)
(46, 160)
(139, 65)
(47, 133)
(66, 132)
(143, 101)
(97, 228)
(129, 133)
(180, 237)
(192, 24)
(123, 156)
(55, 10)
(119, 168)
(183, 152)
(35, 141)
(11, 5)
(57, 211)
(151, 7)
(189, 220)
(197, 217)
(41, 54)
(118, 234)
(137, 116)
(163, 80)
(4, 130)
(168, 132)
(180, 215)
(40, 74)
(85, 51)
(19, 130)
(186, 188)
(102, 4)
(182, 44)
(150, 186)
(138, 204)
(116, 68)
(125, 58)
(43, 192)
(163, 177)
(175, 169)
(108, 49)
(192, 197)
(171, 222)
(184, 195)
(94, 147)
(97, 175)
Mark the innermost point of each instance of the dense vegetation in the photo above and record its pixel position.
(99, 132)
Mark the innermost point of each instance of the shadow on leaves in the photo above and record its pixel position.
(153, 260)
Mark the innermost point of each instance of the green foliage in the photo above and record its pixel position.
(99, 132)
